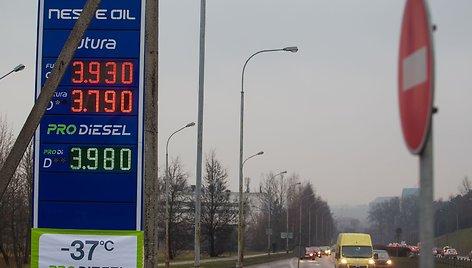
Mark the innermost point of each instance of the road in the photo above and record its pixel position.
(324, 262)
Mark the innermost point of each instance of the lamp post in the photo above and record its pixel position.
(300, 226)
(241, 127)
(309, 223)
(241, 206)
(18, 68)
(269, 231)
(286, 238)
(166, 182)
(457, 214)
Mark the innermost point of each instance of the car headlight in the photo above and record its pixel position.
(389, 262)
(343, 261)
(371, 261)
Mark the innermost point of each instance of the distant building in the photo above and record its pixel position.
(379, 200)
(410, 192)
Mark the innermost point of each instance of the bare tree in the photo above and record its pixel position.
(6, 142)
(15, 205)
(180, 228)
(218, 210)
(466, 186)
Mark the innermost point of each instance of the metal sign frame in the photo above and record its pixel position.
(96, 194)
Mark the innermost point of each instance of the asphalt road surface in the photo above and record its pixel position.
(324, 262)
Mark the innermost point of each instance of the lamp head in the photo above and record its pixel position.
(293, 49)
(190, 124)
(259, 153)
(18, 68)
(283, 172)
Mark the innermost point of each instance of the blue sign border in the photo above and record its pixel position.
(55, 191)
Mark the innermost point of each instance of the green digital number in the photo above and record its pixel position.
(92, 155)
(76, 158)
(125, 163)
(109, 159)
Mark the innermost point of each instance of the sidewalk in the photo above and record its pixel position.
(161, 264)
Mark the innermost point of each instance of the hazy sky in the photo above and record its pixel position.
(328, 113)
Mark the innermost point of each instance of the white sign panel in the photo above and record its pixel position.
(84, 249)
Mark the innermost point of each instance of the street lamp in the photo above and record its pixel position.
(18, 68)
(300, 226)
(286, 237)
(166, 182)
(269, 232)
(457, 214)
(241, 206)
(241, 215)
(309, 223)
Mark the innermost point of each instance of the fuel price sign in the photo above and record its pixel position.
(88, 169)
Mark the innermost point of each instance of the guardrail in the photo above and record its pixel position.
(461, 262)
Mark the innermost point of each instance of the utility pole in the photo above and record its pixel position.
(201, 93)
(50, 86)
(150, 136)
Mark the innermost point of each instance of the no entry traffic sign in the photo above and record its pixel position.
(416, 74)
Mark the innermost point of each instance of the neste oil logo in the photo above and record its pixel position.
(87, 130)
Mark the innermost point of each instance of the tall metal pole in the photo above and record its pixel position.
(426, 201)
(166, 183)
(286, 227)
(286, 200)
(241, 156)
(309, 227)
(268, 229)
(198, 184)
(457, 214)
(150, 138)
(299, 230)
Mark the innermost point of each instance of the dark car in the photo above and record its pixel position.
(382, 259)
(325, 250)
(311, 253)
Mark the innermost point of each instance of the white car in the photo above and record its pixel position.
(450, 253)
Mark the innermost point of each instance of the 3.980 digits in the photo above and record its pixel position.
(100, 158)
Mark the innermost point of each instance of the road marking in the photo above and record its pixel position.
(415, 69)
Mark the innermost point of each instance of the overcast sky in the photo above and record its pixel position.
(328, 113)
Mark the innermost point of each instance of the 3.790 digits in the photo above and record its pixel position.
(101, 101)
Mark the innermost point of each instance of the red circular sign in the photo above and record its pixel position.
(415, 75)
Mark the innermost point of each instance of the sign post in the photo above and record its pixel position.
(416, 91)
(88, 159)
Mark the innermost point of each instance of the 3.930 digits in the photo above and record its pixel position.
(102, 72)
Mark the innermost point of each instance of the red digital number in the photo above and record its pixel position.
(126, 101)
(77, 101)
(127, 73)
(112, 73)
(97, 99)
(94, 70)
(110, 98)
(78, 72)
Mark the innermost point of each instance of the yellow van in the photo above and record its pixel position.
(353, 250)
